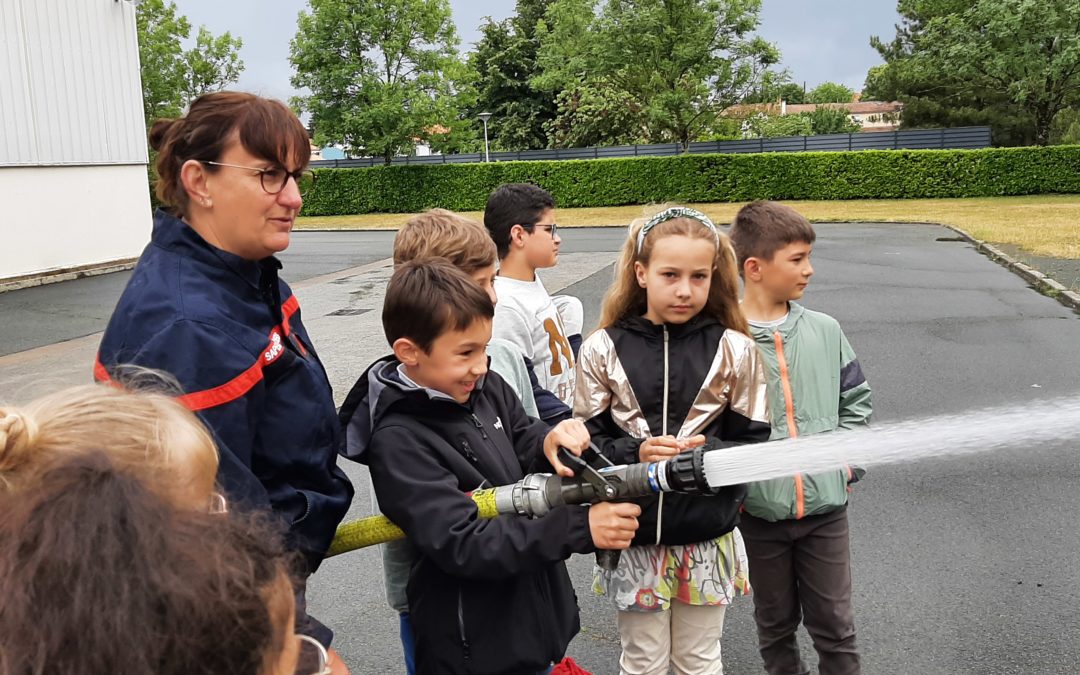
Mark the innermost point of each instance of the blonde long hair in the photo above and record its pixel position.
(626, 297)
(147, 433)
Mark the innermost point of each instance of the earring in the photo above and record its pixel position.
(206, 202)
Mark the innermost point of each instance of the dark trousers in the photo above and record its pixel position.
(800, 570)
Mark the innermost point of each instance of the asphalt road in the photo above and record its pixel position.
(961, 566)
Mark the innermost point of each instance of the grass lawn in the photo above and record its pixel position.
(1045, 225)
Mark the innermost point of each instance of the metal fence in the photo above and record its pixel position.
(967, 138)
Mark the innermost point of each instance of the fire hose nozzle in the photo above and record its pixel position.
(685, 473)
(537, 494)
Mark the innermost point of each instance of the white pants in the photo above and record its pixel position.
(684, 638)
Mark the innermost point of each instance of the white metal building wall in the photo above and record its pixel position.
(73, 148)
(69, 83)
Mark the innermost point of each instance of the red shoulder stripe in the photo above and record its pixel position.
(239, 385)
(226, 393)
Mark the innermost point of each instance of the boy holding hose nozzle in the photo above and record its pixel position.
(487, 596)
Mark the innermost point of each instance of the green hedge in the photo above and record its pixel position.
(869, 174)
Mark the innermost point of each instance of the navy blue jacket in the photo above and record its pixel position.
(229, 330)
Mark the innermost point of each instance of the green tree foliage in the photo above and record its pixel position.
(595, 114)
(724, 129)
(1066, 128)
(381, 74)
(564, 73)
(831, 120)
(171, 76)
(775, 88)
(876, 86)
(830, 92)
(682, 61)
(1012, 63)
(504, 64)
(213, 64)
(776, 126)
(565, 56)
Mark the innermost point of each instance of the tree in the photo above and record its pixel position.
(1066, 128)
(830, 92)
(1017, 59)
(761, 125)
(381, 73)
(682, 61)
(504, 63)
(212, 65)
(777, 87)
(565, 45)
(595, 114)
(829, 120)
(171, 76)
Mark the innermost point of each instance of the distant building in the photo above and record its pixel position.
(73, 152)
(423, 148)
(869, 115)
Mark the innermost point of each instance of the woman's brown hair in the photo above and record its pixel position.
(626, 297)
(265, 127)
(100, 575)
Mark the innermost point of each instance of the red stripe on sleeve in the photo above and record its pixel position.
(226, 393)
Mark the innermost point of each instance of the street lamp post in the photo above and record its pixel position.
(484, 117)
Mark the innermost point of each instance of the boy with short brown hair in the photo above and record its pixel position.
(465, 243)
(434, 424)
(796, 529)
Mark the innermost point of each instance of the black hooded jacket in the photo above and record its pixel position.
(485, 596)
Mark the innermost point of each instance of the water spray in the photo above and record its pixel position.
(942, 436)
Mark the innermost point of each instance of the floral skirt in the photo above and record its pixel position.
(648, 578)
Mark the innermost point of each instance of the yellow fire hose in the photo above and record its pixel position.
(379, 530)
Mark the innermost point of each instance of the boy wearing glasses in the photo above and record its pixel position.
(521, 220)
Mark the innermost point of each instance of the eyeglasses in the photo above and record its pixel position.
(275, 178)
(552, 228)
(313, 657)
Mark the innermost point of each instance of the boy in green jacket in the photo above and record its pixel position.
(796, 529)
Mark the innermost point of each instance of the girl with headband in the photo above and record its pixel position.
(672, 368)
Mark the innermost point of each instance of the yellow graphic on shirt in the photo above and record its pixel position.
(557, 343)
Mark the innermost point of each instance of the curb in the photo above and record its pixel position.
(1040, 281)
(67, 274)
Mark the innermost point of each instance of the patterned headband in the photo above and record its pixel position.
(671, 214)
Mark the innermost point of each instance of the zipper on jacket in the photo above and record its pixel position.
(492, 444)
(789, 410)
(663, 432)
(468, 451)
(461, 625)
(479, 425)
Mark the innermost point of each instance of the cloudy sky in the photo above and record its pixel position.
(820, 40)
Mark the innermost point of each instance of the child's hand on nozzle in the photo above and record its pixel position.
(613, 524)
(570, 434)
(665, 447)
